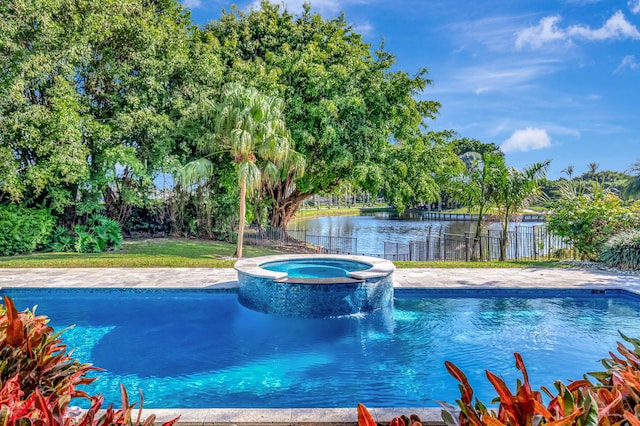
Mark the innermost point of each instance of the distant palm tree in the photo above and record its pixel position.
(632, 188)
(569, 171)
(593, 167)
(251, 127)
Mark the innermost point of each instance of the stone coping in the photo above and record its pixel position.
(251, 266)
(287, 416)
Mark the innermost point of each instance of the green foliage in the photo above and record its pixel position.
(251, 127)
(24, 230)
(98, 234)
(90, 97)
(589, 219)
(343, 104)
(413, 169)
(623, 250)
(512, 191)
(38, 377)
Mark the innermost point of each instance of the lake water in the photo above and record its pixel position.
(374, 230)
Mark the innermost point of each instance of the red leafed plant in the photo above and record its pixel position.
(366, 419)
(612, 402)
(38, 377)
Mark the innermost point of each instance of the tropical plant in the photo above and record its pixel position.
(569, 171)
(622, 250)
(38, 377)
(251, 128)
(632, 188)
(366, 419)
(512, 190)
(474, 187)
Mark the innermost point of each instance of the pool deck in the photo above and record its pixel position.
(460, 278)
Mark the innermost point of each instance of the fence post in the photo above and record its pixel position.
(466, 246)
(535, 246)
(516, 238)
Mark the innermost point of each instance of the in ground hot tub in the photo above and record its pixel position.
(315, 285)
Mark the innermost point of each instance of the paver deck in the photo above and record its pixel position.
(226, 278)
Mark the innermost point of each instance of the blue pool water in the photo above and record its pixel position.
(316, 268)
(203, 349)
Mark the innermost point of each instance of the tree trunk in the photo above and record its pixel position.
(243, 207)
(475, 253)
(504, 241)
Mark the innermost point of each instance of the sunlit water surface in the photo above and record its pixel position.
(202, 349)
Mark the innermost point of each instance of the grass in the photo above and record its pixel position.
(181, 253)
(154, 253)
(340, 211)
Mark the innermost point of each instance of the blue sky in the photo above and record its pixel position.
(543, 79)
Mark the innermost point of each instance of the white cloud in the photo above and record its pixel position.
(628, 61)
(634, 6)
(616, 27)
(526, 140)
(546, 31)
(364, 28)
(324, 7)
(192, 4)
(481, 90)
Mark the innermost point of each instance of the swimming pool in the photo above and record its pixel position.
(200, 348)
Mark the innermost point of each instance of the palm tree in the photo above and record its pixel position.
(513, 189)
(569, 171)
(473, 188)
(632, 188)
(251, 127)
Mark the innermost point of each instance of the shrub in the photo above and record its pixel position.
(98, 234)
(622, 250)
(24, 230)
(38, 377)
(588, 221)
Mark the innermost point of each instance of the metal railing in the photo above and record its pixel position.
(524, 243)
(300, 241)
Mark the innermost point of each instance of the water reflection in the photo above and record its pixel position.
(373, 230)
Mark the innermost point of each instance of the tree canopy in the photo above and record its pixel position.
(343, 103)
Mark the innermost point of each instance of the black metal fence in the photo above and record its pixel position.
(298, 241)
(524, 243)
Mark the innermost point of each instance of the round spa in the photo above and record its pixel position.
(315, 286)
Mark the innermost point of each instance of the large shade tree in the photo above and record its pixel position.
(250, 127)
(344, 104)
(90, 93)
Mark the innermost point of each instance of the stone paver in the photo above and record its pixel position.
(227, 278)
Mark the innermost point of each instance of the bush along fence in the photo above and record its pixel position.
(525, 243)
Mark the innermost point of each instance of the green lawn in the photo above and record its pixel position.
(175, 253)
(165, 252)
(340, 211)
